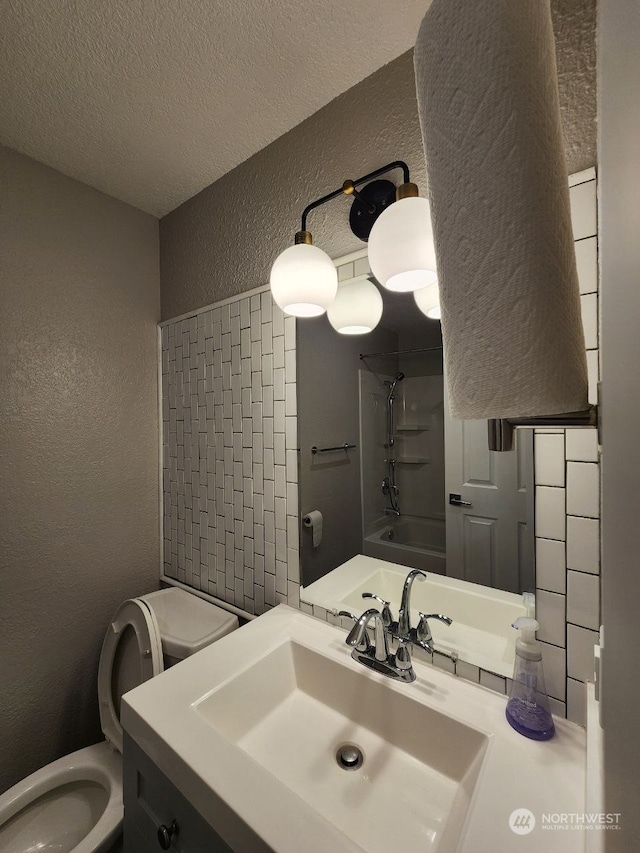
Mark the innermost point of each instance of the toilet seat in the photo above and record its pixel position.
(131, 654)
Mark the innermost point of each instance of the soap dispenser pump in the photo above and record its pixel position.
(528, 709)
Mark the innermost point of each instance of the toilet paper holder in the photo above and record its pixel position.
(313, 522)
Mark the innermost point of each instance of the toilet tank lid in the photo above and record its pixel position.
(188, 623)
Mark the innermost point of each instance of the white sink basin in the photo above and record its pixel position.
(294, 708)
(248, 730)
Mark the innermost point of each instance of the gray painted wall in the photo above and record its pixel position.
(619, 117)
(79, 298)
(328, 415)
(224, 240)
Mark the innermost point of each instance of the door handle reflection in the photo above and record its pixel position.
(456, 500)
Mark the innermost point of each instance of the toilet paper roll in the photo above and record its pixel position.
(313, 520)
(487, 91)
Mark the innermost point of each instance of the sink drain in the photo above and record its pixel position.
(349, 757)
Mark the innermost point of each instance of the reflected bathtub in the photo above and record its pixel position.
(410, 540)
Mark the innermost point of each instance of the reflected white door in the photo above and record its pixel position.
(490, 537)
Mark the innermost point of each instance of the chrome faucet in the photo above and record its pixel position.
(404, 615)
(377, 655)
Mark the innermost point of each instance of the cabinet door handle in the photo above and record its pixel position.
(456, 500)
(166, 834)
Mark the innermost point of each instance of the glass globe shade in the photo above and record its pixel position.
(428, 300)
(357, 308)
(304, 280)
(401, 251)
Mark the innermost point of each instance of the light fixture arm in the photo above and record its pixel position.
(348, 188)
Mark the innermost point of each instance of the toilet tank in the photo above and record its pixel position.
(187, 623)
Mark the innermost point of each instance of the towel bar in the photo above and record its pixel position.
(344, 446)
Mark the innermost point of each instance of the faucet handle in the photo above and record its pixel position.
(423, 631)
(365, 644)
(357, 636)
(387, 618)
(348, 614)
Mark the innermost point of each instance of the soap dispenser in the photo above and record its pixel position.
(528, 705)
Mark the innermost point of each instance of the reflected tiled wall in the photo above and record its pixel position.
(568, 503)
(230, 466)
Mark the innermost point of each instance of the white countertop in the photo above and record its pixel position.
(257, 812)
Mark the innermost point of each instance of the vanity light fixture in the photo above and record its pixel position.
(401, 252)
(357, 308)
(304, 280)
(428, 300)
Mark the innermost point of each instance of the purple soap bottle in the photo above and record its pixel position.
(528, 705)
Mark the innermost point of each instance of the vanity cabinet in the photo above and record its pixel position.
(151, 801)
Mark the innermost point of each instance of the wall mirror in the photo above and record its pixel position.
(414, 487)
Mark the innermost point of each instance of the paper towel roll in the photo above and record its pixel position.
(488, 101)
(313, 520)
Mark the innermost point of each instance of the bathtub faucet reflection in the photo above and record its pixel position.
(389, 485)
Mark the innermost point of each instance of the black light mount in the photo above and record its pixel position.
(368, 202)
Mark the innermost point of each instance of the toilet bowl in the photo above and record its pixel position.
(74, 804)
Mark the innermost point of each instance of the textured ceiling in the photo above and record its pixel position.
(152, 100)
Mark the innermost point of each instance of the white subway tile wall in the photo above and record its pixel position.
(580, 643)
(577, 701)
(229, 432)
(583, 544)
(550, 565)
(551, 616)
(468, 671)
(567, 525)
(549, 464)
(492, 681)
(583, 600)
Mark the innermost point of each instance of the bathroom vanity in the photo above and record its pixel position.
(157, 815)
(242, 746)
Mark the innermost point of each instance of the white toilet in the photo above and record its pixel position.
(74, 805)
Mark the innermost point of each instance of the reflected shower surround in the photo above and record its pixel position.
(389, 485)
(402, 465)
